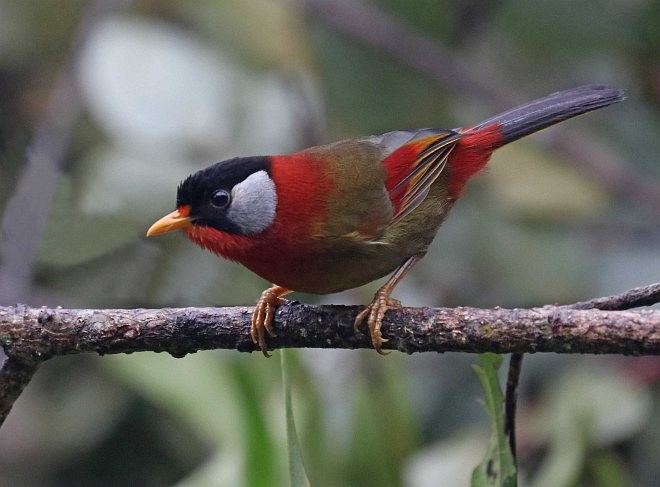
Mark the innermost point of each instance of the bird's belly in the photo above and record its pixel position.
(325, 273)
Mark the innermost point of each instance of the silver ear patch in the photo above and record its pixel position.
(253, 203)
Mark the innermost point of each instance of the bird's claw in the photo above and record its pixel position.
(374, 313)
(263, 315)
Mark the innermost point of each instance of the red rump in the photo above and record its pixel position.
(471, 154)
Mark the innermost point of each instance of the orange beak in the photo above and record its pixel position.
(176, 220)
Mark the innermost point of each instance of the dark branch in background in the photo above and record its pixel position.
(511, 400)
(24, 219)
(389, 35)
(25, 216)
(14, 376)
(634, 298)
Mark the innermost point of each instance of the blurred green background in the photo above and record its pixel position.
(139, 94)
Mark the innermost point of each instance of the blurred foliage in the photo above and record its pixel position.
(297, 474)
(498, 467)
(169, 87)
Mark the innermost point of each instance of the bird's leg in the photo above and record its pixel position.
(264, 312)
(382, 301)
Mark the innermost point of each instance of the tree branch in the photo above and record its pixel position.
(511, 400)
(15, 374)
(633, 298)
(30, 336)
(36, 334)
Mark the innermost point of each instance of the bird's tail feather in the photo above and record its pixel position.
(549, 110)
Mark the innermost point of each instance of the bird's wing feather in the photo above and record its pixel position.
(414, 166)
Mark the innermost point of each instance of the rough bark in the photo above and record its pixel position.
(30, 336)
(36, 334)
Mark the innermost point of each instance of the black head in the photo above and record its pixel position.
(236, 196)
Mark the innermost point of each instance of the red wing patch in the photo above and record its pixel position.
(413, 167)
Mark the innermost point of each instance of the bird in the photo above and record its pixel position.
(338, 216)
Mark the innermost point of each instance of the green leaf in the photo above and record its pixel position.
(261, 449)
(297, 473)
(498, 467)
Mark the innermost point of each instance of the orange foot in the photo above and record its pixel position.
(375, 313)
(382, 302)
(264, 312)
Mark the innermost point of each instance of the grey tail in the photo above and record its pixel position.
(549, 110)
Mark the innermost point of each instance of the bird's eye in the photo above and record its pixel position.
(220, 199)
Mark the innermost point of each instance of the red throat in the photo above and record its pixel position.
(470, 156)
(221, 243)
